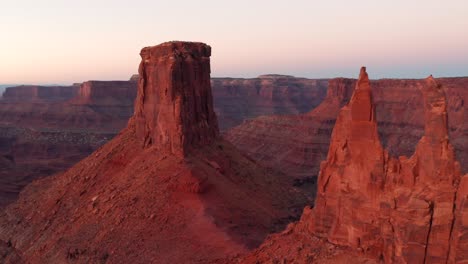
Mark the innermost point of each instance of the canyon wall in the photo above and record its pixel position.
(295, 144)
(50, 135)
(47, 134)
(39, 93)
(373, 205)
(238, 99)
(106, 93)
(155, 193)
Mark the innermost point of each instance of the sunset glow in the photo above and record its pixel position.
(53, 41)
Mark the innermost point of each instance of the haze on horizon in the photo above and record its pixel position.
(53, 41)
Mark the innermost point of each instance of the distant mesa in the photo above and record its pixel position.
(106, 93)
(39, 93)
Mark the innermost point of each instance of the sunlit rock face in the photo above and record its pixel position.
(385, 209)
(400, 210)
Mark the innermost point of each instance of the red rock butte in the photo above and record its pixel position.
(174, 106)
(166, 189)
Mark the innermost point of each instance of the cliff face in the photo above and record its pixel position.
(405, 210)
(295, 144)
(110, 93)
(154, 193)
(49, 135)
(45, 133)
(174, 107)
(236, 100)
(39, 93)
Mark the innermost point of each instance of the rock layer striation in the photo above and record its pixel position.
(159, 192)
(174, 107)
(398, 210)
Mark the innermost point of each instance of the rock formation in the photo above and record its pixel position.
(36, 93)
(173, 108)
(49, 135)
(236, 99)
(296, 144)
(405, 210)
(111, 93)
(183, 196)
(48, 129)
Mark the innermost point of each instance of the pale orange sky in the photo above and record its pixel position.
(56, 41)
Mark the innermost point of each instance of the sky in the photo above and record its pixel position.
(61, 42)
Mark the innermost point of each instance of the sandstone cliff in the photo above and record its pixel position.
(36, 93)
(49, 135)
(159, 192)
(238, 99)
(405, 210)
(295, 144)
(106, 93)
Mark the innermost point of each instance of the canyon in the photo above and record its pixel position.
(47, 129)
(281, 121)
(296, 144)
(167, 189)
(44, 130)
(374, 208)
(221, 165)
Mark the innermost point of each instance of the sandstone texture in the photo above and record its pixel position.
(394, 210)
(49, 134)
(174, 104)
(296, 144)
(236, 99)
(158, 192)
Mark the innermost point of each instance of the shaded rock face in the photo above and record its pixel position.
(405, 210)
(174, 107)
(401, 210)
(236, 100)
(49, 134)
(39, 93)
(106, 93)
(163, 202)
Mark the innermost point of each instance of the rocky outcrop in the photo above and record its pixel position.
(185, 196)
(405, 210)
(174, 106)
(35, 93)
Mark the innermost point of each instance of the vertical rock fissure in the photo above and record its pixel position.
(431, 208)
(454, 209)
